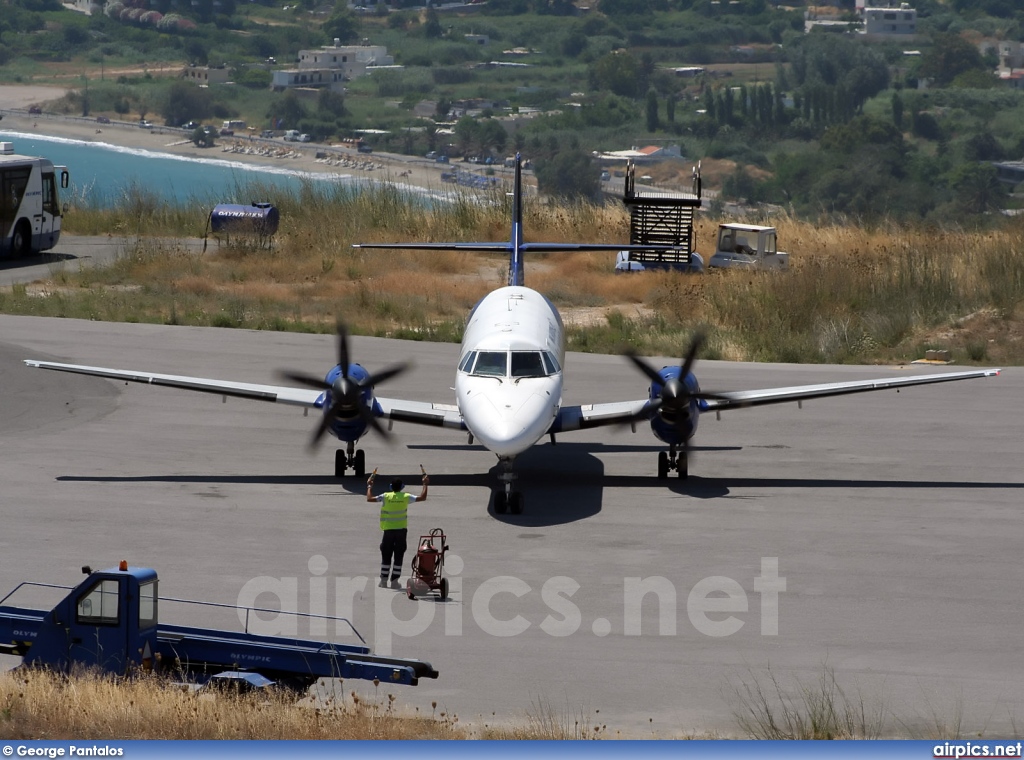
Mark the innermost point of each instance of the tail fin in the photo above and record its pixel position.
(515, 264)
(516, 247)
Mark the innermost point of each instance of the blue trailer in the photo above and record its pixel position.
(110, 623)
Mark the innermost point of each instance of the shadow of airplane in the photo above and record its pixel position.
(562, 484)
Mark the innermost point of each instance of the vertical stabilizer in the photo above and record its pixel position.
(515, 265)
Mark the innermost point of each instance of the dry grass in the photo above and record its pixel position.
(40, 705)
(884, 294)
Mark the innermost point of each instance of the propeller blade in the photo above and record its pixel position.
(343, 349)
(646, 368)
(307, 380)
(691, 355)
(384, 374)
(321, 429)
(369, 418)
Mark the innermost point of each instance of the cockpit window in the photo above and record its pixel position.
(467, 361)
(551, 363)
(491, 364)
(527, 364)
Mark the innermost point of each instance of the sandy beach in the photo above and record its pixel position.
(15, 99)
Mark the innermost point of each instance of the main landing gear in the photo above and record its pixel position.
(507, 499)
(354, 459)
(672, 461)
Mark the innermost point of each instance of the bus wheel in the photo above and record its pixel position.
(21, 240)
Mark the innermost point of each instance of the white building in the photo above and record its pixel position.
(890, 21)
(331, 66)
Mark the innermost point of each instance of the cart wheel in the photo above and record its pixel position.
(444, 589)
(410, 595)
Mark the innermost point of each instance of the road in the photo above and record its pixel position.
(893, 518)
(72, 253)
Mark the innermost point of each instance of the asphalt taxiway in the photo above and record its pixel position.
(893, 518)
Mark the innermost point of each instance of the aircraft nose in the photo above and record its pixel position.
(509, 429)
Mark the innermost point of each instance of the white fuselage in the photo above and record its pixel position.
(509, 382)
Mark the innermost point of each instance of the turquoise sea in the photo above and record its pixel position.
(101, 174)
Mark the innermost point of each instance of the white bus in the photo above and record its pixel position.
(29, 205)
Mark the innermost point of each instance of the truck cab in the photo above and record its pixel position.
(749, 246)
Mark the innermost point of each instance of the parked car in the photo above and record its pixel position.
(305, 138)
(35, 110)
(224, 132)
(102, 120)
(432, 155)
(267, 133)
(145, 124)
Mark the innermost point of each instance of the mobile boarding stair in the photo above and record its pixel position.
(109, 622)
(662, 218)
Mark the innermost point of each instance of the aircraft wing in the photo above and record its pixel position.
(623, 412)
(506, 247)
(421, 413)
(280, 394)
(737, 399)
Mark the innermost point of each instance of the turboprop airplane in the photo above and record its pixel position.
(508, 383)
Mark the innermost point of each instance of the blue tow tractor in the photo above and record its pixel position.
(109, 622)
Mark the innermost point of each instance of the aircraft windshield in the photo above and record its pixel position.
(515, 364)
(491, 364)
(527, 364)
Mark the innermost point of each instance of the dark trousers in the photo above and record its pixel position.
(392, 545)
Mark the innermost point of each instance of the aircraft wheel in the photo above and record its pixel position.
(500, 502)
(515, 503)
(683, 467)
(444, 589)
(662, 465)
(359, 463)
(340, 463)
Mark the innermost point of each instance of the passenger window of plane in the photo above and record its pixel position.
(527, 364)
(491, 364)
(551, 363)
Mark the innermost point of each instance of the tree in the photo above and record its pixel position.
(202, 138)
(652, 111)
(432, 25)
(897, 110)
(330, 104)
(949, 56)
(287, 112)
(977, 188)
(618, 72)
(670, 108)
(343, 25)
(186, 102)
(570, 174)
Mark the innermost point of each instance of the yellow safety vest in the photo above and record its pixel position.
(394, 511)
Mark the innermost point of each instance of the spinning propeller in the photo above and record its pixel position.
(674, 401)
(346, 392)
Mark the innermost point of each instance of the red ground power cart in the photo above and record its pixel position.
(428, 566)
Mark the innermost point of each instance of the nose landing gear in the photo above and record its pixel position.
(673, 460)
(354, 459)
(507, 499)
